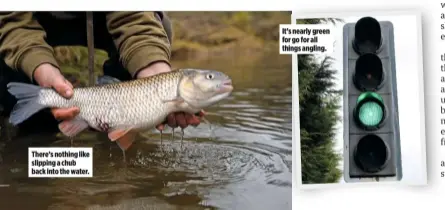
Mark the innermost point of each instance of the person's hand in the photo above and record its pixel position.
(46, 75)
(173, 120)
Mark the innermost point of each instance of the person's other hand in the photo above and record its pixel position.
(46, 75)
(173, 120)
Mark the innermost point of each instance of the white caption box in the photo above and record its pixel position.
(60, 162)
(306, 39)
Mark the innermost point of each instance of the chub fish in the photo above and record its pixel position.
(121, 108)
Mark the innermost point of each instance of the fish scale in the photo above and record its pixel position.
(137, 103)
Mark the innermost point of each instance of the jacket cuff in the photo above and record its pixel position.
(144, 56)
(32, 58)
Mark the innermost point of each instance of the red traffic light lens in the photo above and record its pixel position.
(369, 72)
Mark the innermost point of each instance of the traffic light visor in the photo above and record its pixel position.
(370, 111)
(368, 36)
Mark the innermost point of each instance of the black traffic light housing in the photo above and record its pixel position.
(371, 125)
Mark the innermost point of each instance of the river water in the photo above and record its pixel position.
(241, 160)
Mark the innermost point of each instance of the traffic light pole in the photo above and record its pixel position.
(372, 150)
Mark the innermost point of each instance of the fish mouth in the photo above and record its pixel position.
(227, 83)
(226, 86)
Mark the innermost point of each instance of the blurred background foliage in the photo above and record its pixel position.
(197, 36)
(319, 104)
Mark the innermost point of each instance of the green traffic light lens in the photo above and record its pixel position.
(370, 114)
(370, 111)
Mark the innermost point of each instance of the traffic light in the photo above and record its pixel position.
(371, 126)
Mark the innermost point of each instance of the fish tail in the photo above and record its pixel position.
(27, 96)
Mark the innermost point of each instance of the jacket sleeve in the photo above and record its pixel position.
(140, 39)
(22, 42)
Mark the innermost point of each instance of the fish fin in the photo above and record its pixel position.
(117, 133)
(27, 96)
(105, 79)
(126, 140)
(72, 127)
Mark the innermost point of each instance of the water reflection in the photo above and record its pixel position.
(241, 160)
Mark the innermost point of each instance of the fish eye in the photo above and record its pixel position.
(209, 76)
